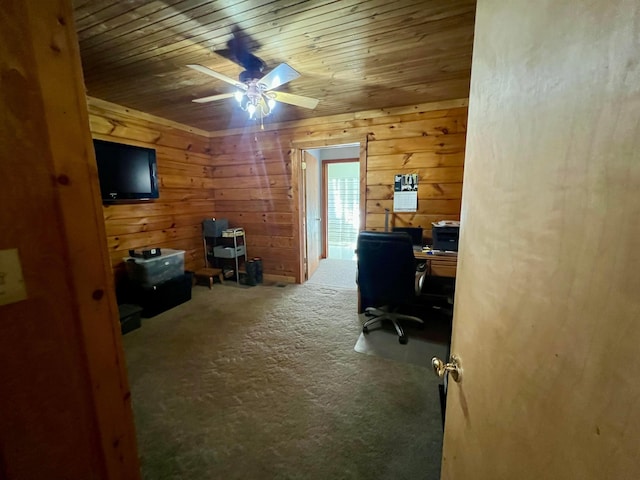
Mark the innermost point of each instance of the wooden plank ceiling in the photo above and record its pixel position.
(353, 55)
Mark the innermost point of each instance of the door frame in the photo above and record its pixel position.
(298, 193)
(325, 200)
(102, 395)
(304, 214)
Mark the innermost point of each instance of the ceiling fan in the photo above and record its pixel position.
(255, 92)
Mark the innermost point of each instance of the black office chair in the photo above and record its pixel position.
(387, 278)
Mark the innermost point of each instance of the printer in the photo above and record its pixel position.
(445, 235)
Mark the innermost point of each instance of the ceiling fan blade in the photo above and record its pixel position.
(297, 100)
(213, 98)
(219, 76)
(280, 75)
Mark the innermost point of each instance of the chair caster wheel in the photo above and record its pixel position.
(365, 329)
(403, 340)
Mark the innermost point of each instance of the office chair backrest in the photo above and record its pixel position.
(414, 232)
(386, 267)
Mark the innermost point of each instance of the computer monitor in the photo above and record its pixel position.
(414, 232)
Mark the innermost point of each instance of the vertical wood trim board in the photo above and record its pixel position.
(324, 166)
(363, 185)
(297, 237)
(65, 405)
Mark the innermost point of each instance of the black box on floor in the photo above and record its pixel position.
(158, 298)
(129, 317)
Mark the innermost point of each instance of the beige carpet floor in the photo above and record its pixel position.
(335, 272)
(264, 383)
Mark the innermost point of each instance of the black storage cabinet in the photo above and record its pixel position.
(157, 298)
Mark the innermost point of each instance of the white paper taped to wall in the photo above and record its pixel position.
(405, 192)
(405, 201)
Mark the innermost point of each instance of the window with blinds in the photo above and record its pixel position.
(343, 212)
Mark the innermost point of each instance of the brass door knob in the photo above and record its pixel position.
(453, 368)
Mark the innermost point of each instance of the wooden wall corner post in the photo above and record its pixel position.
(83, 343)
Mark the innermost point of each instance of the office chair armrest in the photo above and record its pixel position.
(419, 280)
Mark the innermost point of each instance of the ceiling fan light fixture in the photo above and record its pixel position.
(256, 101)
(253, 94)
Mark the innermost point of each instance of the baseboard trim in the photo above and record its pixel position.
(279, 278)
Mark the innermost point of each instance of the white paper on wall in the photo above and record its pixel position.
(405, 192)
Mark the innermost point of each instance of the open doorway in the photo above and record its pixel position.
(331, 213)
(341, 207)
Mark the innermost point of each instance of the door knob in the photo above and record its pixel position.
(453, 368)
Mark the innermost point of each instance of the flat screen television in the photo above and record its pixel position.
(126, 172)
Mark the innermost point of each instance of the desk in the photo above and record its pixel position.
(438, 283)
(439, 265)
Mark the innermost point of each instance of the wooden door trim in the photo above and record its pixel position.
(363, 184)
(325, 208)
(54, 51)
(297, 193)
(295, 153)
(304, 213)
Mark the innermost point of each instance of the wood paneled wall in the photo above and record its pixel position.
(247, 176)
(430, 144)
(256, 186)
(186, 179)
(254, 189)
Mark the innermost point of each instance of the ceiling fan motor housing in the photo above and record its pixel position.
(248, 75)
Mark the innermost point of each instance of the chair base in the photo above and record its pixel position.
(382, 313)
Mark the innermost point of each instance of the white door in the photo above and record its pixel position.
(313, 212)
(547, 310)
